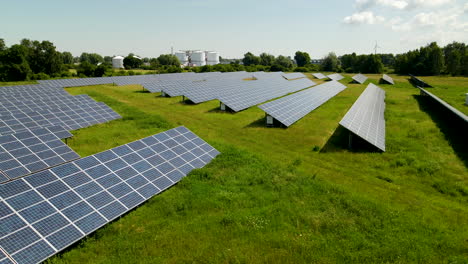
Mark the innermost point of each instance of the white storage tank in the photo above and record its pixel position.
(198, 58)
(117, 62)
(182, 56)
(212, 58)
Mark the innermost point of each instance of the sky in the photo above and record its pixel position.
(149, 28)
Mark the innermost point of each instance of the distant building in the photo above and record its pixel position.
(197, 57)
(117, 62)
(316, 61)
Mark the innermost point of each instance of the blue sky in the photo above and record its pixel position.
(149, 28)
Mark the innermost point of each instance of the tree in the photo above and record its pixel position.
(302, 58)
(14, 66)
(43, 57)
(67, 57)
(132, 62)
(86, 68)
(108, 59)
(371, 64)
(330, 62)
(284, 62)
(267, 59)
(2, 45)
(250, 59)
(435, 59)
(168, 59)
(92, 58)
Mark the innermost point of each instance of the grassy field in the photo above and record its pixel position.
(453, 90)
(293, 195)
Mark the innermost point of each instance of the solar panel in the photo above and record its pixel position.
(387, 79)
(366, 117)
(294, 75)
(43, 213)
(445, 104)
(359, 78)
(255, 92)
(319, 75)
(335, 76)
(291, 108)
(34, 150)
(70, 117)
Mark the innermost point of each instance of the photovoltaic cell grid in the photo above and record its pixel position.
(359, 78)
(34, 150)
(294, 75)
(291, 108)
(43, 213)
(335, 76)
(366, 117)
(210, 90)
(256, 92)
(319, 75)
(15, 106)
(388, 79)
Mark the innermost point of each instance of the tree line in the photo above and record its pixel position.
(35, 60)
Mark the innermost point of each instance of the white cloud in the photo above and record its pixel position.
(430, 20)
(401, 4)
(366, 4)
(365, 17)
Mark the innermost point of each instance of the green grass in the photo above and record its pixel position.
(452, 90)
(291, 195)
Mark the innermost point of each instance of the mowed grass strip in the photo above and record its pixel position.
(293, 195)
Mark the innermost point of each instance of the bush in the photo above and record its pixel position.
(40, 76)
(301, 69)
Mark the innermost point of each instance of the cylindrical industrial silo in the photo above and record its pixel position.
(182, 56)
(198, 58)
(117, 62)
(212, 58)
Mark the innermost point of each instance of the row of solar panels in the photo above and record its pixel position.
(152, 78)
(365, 118)
(43, 213)
(34, 119)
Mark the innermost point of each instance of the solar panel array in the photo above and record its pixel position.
(44, 213)
(291, 108)
(294, 75)
(366, 116)
(452, 109)
(319, 75)
(335, 76)
(256, 92)
(359, 78)
(34, 150)
(388, 79)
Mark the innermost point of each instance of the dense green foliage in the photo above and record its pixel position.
(92, 58)
(168, 60)
(330, 62)
(433, 60)
(31, 60)
(132, 62)
(302, 58)
(362, 63)
(294, 195)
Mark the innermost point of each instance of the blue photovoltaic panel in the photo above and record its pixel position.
(291, 108)
(294, 75)
(319, 75)
(30, 151)
(45, 212)
(366, 117)
(359, 78)
(387, 79)
(335, 76)
(259, 91)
